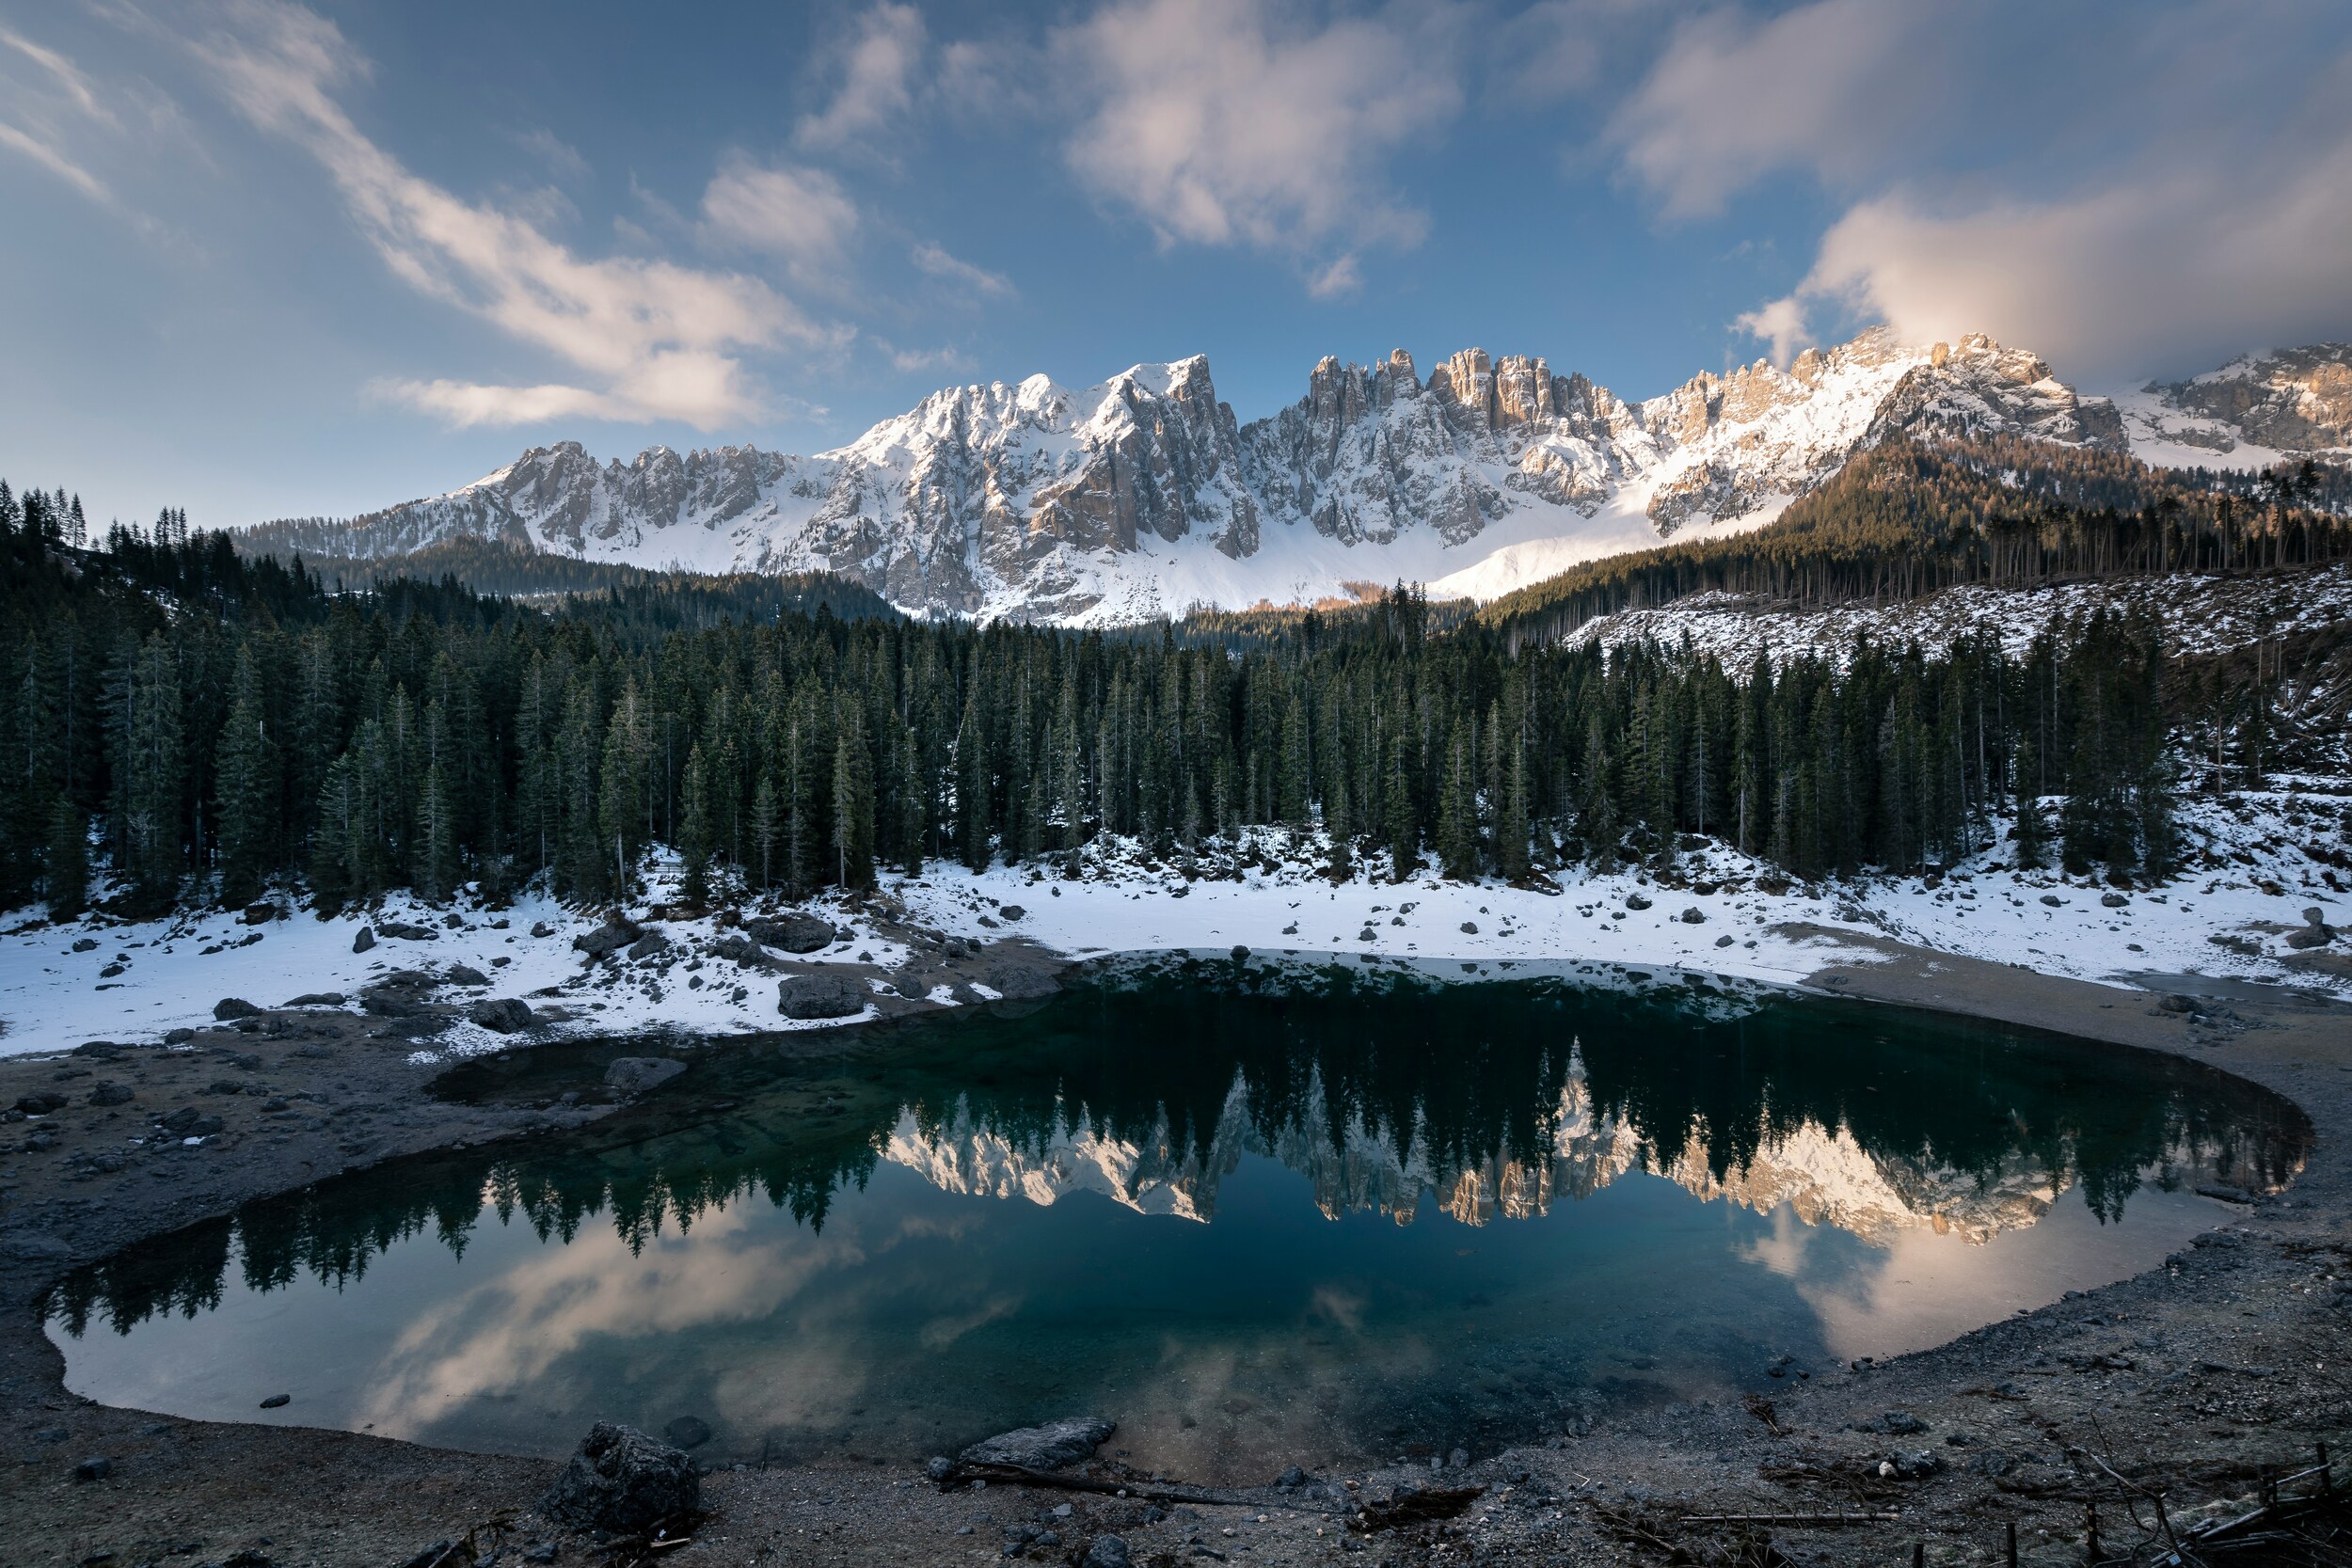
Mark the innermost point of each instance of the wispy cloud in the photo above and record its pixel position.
(877, 64)
(40, 109)
(562, 158)
(932, 259)
(800, 215)
(650, 339)
(912, 359)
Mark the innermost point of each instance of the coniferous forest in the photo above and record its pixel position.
(208, 725)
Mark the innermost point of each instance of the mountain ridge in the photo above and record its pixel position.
(1144, 495)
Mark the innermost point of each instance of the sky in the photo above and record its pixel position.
(262, 258)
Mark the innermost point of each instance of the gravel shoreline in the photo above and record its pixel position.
(2235, 1356)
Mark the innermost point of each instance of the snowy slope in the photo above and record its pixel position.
(1142, 496)
(2200, 615)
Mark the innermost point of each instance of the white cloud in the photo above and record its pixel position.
(653, 339)
(1831, 87)
(2140, 189)
(928, 257)
(877, 64)
(797, 215)
(1240, 122)
(2179, 270)
(1781, 323)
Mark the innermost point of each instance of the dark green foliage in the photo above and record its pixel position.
(232, 722)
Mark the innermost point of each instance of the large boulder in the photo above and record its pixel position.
(233, 1006)
(2315, 931)
(791, 933)
(742, 950)
(1042, 1447)
(504, 1015)
(617, 931)
(820, 995)
(623, 1482)
(636, 1074)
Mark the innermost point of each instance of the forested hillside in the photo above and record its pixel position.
(207, 726)
(1913, 514)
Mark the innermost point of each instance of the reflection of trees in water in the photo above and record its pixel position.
(1465, 1083)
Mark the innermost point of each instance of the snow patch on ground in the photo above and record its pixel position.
(173, 971)
(2255, 862)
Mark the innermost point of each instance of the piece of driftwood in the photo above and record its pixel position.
(1790, 1518)
(1416, 1508)
(1150, 1491)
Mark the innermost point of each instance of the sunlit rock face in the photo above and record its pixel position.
(1822, 1174)
(2296, 401)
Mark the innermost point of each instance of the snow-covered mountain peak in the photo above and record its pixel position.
(1142, 495)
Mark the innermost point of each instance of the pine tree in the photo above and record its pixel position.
(766, 827)
(66, 865)
(246, 772)
(2033, 830)
(1457, 821)
(854, 806)
(695, 829)
(147, 768)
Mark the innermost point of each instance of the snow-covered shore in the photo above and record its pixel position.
(2252, 874)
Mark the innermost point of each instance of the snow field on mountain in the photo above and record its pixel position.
(2251, 876)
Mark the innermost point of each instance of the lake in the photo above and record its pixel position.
(1257, 1213)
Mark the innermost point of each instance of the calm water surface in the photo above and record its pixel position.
(1256, 1217)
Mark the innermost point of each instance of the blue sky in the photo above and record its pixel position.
(263, 259)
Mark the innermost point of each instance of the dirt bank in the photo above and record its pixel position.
(2190, 1378)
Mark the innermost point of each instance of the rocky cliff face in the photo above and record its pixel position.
(2297, 402)
(1143, 496)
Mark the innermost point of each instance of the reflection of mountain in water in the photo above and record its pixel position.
(1823, 1173)
(1498, 1098)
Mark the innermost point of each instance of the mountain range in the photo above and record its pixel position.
(1144, 496)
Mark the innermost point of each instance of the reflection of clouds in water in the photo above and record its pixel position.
(1922, 1286)
(515, 1330)
(508, 1331)
(1343, 1308)
(940, 1333)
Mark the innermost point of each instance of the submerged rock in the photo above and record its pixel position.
(1042, 1447)
(688, 1432)
(636, 1074)
(624, 1481)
